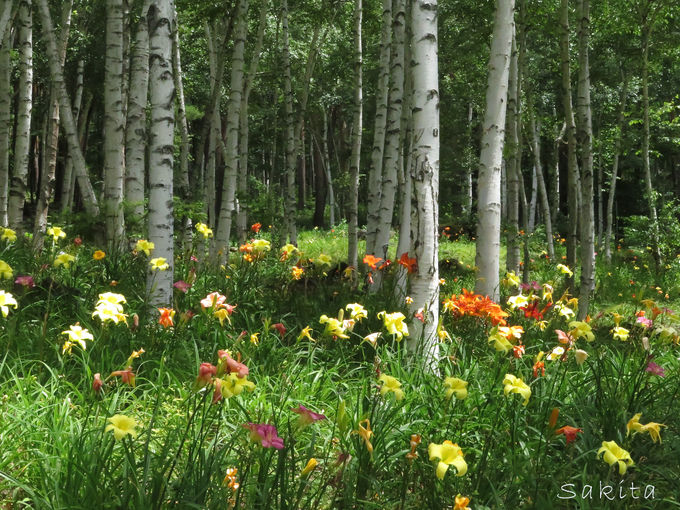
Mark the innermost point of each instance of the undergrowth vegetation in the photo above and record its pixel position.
(280, 381)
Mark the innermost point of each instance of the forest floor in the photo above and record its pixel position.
(280, 381)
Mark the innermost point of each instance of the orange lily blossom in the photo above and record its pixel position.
(166, 317)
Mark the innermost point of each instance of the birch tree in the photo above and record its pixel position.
(620, 124)
(585, 139)
(17, 189)
(66, 117)
(573, 177)
(487, 258)
(114, 156)
(380, 123)
(242, 187)
(425, 178)
(5, 20)
(161, 148)
(513, 173)
(135, 133)
(357, 126)
(388, 186)
(5, 119)
(535, 128)
(231, 155)
(48, 173)
(291, 167)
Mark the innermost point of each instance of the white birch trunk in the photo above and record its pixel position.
(621, 122)
(405, 161)
(135, 134)
(5, 119)
(382, 94)
(513, 174)
(68, 182)
(388, 189)
(232, 144)
(114, 157)
(327, 167)
(47, 176)
(649, 188)
(17, 187)
(291, 163)
(66, 118)
(585, 136)
(242, 187)
(357, 127)
(5, 21)
(161, 148)
(183, 181)
(487, 258)
(425, 178)
(570, 134)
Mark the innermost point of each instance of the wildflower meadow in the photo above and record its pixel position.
(277, 380)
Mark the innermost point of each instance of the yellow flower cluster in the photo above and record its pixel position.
(110, 308)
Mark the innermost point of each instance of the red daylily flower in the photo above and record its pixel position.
(569, 433)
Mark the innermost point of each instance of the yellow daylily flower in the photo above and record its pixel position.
(620, 333)
(356, 311)
(159, 263)
(5, 270)
(500, 343)
(555, 353)
(614, 454)
(365, 433)
(457, 387)
(8, 235)
(394, 323)
(516, 385)
(447, 454)
(653, 428)
(260, 246)
(56, 233)
(306, 333)
(76, 333)
(121, 426)
(511, 279)
(311, 464)
(580, 355)
(324, 260)
(518, 301)
(334, 327)
(202, 228)
(232, 385)
(64, 259)
(580, 330)
(373, 338)
(565, 270)
(391, 384)
(145, 246)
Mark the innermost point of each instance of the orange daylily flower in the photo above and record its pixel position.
(411, 265)
(166, 317)
(569, 433)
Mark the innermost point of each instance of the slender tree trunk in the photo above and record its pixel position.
(161, 148)
(5, 119)
(291, 167)
(382, 94)
(574, 186)
(585, 137)
(327, 168)
(391, 154)
(556, 173)
(470, 163)
(621, 122)
(405, 161)
(650, 195)
(114, 155)
(5, 21)
(242, 186)
(533, 201)
(184, 189)
(208, 189)
(83, 123)
(17, 188)
(425, 178)
(66, 190)
(498, 96)
(231, 157)
(135, 134)
(66, 118)
(47, 176)
(542, 190)
(513, 173)
(357, 127)
(320, 186)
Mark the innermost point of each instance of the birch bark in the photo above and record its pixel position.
(487, 258)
